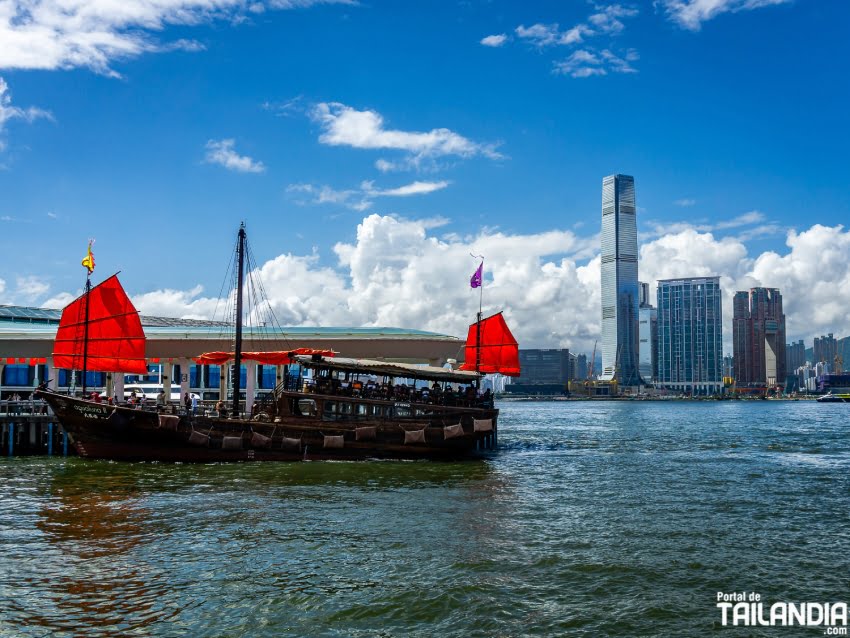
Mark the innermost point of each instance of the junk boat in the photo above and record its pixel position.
(327, 407)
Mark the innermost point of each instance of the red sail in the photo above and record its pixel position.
(116, 341)
(499, 349)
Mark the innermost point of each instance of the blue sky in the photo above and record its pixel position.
(348, 135)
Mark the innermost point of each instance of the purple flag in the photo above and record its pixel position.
(475, 280)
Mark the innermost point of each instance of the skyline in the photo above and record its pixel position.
(371, 176)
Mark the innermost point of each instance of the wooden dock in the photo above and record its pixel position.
(28, 429)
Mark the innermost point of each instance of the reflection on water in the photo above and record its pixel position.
(594, 519)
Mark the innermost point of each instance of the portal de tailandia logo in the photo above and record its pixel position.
(746, 609)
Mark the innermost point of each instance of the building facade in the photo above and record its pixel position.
(647, 336)
(825, 349)
(758, 338)
(795, 356)
(619, 281)
(544, 366)
(690, 335)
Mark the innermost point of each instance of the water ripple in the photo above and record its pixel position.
(593, 519)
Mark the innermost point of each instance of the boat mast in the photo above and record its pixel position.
(240, 255)
(86, 333)
(478, 331)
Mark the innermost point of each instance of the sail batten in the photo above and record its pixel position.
(116, 340)
(499, 351)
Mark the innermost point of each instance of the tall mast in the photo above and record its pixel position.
(86, 333)
(478, 329)
(240, 255)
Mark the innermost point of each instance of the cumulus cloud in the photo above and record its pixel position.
(221, 152)
(690, 14)
(66, 34)
(494, 40)
(345, 126)
(402, 272)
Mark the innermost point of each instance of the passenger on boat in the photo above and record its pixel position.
(160, 399)
(187, 403)
(221, 408)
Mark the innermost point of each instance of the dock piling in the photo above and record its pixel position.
(11, 448)
(50, 439)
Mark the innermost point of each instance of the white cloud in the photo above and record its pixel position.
(415, 188)
(690, 14)
(345, 126)
(607, 19)
(494, 40)
(401, 272)
(685, 202)
(539, 34)
(360, 199)
(221, 152)
(9, 112)
(65, 34)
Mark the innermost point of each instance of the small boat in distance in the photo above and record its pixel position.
(327, 407)
(829, 397)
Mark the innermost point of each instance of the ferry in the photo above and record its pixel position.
(829, 397)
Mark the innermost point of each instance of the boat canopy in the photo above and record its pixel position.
(116, 340)
(389, 369)
(499, 348)
(272, 358)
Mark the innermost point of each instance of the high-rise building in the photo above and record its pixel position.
(690, 335)
(647, 336)
(758, 337)
(825, 349)
(795, 356)
(581, 367)
(619, 281)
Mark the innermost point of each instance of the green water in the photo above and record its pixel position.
(620, 519)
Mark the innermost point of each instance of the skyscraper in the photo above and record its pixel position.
(648, 336)
(619, 281)
(758, 337)
(690, 335)
(825, 349)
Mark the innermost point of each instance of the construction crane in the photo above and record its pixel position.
(593, 359)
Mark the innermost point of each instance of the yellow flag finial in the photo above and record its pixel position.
(88, 260)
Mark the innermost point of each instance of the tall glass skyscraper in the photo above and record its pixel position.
(619, 281)
(690, 335)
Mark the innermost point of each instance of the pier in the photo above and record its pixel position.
(28, 429)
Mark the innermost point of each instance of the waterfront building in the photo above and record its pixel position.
(647, 336)
(690, 335)
(728, 366)
(544, 372)
(27, 334)
(758, 337)
(619, 281)
(544, 366)
(795, 356)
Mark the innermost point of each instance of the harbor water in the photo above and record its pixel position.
(593, 519)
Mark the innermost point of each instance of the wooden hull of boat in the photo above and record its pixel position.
(101, 431)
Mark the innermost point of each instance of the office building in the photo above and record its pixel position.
(619, 281)
(758, 338)
(690, 335)
(825, 349)
(647, 336)
(795, 356)
(581, 367)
